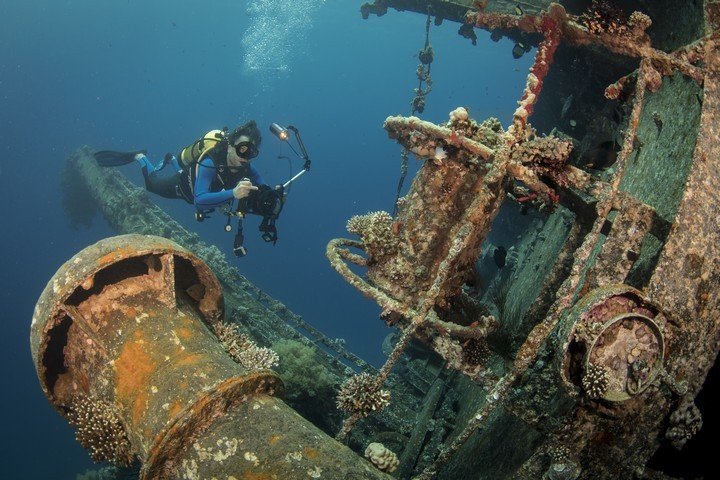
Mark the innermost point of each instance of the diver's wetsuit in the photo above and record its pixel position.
(208, 197)
(208, 191)
(158, 180)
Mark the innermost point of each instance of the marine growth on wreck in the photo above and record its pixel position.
(585, 341)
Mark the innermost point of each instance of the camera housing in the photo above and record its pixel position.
(266, 202)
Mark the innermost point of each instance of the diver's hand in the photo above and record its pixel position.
(243, 189)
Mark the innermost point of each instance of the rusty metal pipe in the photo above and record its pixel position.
(127, 322)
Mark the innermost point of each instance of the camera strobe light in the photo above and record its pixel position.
(279, 132)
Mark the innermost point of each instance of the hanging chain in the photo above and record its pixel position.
(426, 56)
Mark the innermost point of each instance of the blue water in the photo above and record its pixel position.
(156, 74)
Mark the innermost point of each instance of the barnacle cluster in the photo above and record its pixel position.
(99, 430)
(382, 457)
(243, 349)
(595, 381)
(361, 395)
(685, 422)
(376, 231)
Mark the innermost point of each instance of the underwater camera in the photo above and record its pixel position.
(267, 201)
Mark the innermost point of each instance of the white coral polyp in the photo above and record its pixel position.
(382, 457)
(459, 115)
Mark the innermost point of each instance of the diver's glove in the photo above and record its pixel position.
(139, 157)
(243, 188)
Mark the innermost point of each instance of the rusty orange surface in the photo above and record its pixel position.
(122, 252)
(311, 453)
(175, 409)
(274, 439)
(133, 369)
(184, 333)
(189, 359)
(256, 476)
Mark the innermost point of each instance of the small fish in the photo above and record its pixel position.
(566, 106)
(518, 10)
(602, 156)
(499, 255)
(518, 50)
(658, 121)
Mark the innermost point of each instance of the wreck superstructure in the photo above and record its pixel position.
(593, 342)
(609, 335)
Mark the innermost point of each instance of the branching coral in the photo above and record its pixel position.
(595, 381)
(244, 350)
(99, 430)
(376, 231)
(361, 395)
(382, 457)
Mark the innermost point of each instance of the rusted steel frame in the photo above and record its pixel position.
(685, 279)
(444, 133)
(528, 177)
(460, 331)
(629, 228)
(335, 252)
(475, 220)
(415, 443)
(575, 34)
(492, 400)
(538, 71)
(528, 352)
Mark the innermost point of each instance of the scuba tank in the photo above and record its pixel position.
(192, 153)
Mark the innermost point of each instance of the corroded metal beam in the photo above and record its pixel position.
(128, 322)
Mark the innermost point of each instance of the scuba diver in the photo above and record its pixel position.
(213, 172)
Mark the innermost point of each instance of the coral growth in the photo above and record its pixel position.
(244, 350)
(685, 422)
(376, 231)
(99, 430)
(544, 156)
(361, 395)
(606, 18)
(382, 457)
(469, 357)
(562, 471)
(309, 385)
(595, 381)
(559, 453)
(639, 22)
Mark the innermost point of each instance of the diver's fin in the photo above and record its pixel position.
(110, 158)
